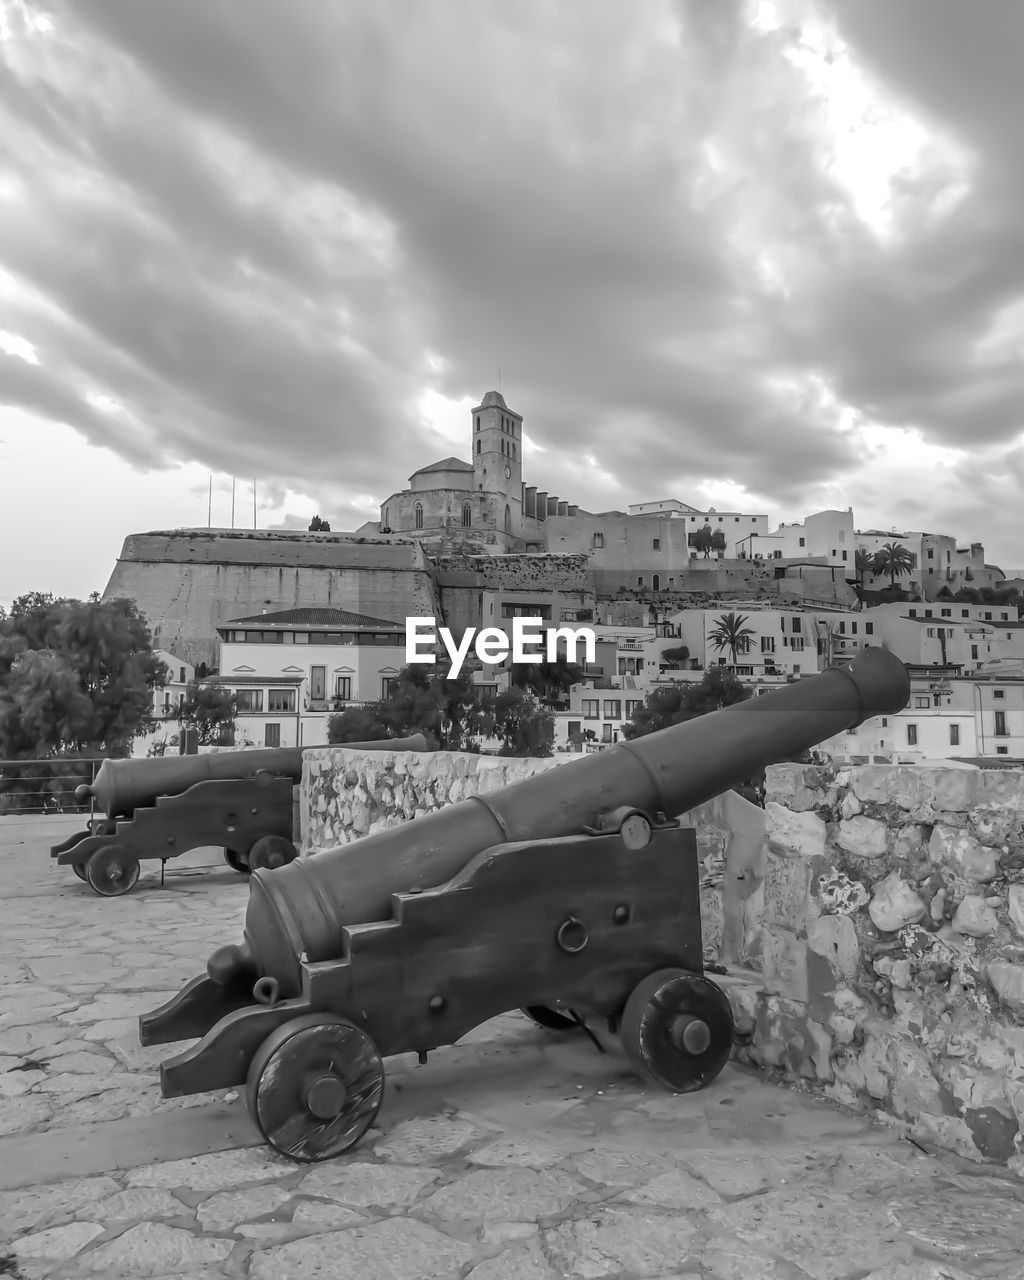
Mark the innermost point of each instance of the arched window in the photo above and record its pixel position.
(508, 518)
(467, 515)
(503, 446)
(419, 515)
(478, 446)
(513, 453)
(478, 422)
(656, 582)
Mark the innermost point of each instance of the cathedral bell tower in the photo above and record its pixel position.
(498, 460)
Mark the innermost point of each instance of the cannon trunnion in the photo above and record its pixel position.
(605, 924)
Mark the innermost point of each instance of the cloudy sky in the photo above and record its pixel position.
(767, 256)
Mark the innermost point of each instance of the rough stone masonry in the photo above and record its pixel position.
(873, 928)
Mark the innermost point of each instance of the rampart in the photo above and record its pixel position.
(189, 582)
(871, 922)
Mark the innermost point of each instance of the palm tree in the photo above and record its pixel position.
(893, 559)
(863, 564)
(730, 633)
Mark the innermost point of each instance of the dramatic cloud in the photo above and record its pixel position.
(759, 254)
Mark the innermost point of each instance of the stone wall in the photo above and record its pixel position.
(346, 794)
(188, 582)
(893, 974)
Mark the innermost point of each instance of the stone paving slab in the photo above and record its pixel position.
(516, 1155)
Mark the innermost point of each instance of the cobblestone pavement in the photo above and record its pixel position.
(517, 1155)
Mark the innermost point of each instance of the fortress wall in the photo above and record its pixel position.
(893, 948)
(188, 585)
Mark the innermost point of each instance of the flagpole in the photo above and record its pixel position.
(232, 502)
(209, 507)
(254, 502)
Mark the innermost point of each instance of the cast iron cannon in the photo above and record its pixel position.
(571, 893)
(161, 808)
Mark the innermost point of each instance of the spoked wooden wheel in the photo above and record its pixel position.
(111, 872)
(678, 1028)
(79, 869)
(315, 1087)
(270, 852)
(236, 862)
(549, 1019)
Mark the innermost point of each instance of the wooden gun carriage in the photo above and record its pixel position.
(161, 808)
(572, 895)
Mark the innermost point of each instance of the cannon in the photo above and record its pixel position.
(573, 895)
(163, 807)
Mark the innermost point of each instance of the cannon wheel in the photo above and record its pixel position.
(315, 1087)
(270, 852)
(678, 1028)
(79, 869)
(111, 872)
(236, 861)
(549, 1019)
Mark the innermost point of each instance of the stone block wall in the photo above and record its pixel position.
(346, 794)
(893, 948)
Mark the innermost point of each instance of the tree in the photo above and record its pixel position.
(525, 727)
(316, 525)
(676, 655)
(75, 677)
(678, 702)
(731, 633)
(863, 562)
(209, 710)
(893, 559)
(449, 712)
(718, 540)
(548, 681)
(701, 540)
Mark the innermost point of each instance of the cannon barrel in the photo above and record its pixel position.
(122, 786)
(302, 908)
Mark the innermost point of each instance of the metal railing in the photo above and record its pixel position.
(45, 786)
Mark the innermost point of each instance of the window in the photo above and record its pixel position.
(912, 613)
(1001, 751)
(632, 705)
(885, 722)
(656, 544)
(181, 675)
(272, 735)
(930, 632)
(974, 651)
(281, 700)
(965, 613)
(767, 644)
(606, 732)
(844, 553)
(921, 702)
(656, 582)
(797, 627)
(302, 637)
(591, 708)
(386, 684)
(478, 422)
(343, 688)
(988, 617)
(639, 582)
(998, 693)
(418, 510)
(575, 728)
(613, 709)
(853, 627)
(911, 735)
(842, 628)
(931, 554)
(478, 449)
(508, 518)
(869, 628)
(946, 613)
(1000, 724)
(249, 700)
(954, 735)
(598, 541)
(467, 515)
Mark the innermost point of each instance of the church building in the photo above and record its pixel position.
(482, 505)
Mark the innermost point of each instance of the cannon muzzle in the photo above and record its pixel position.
(301, 909)
(122, 786)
